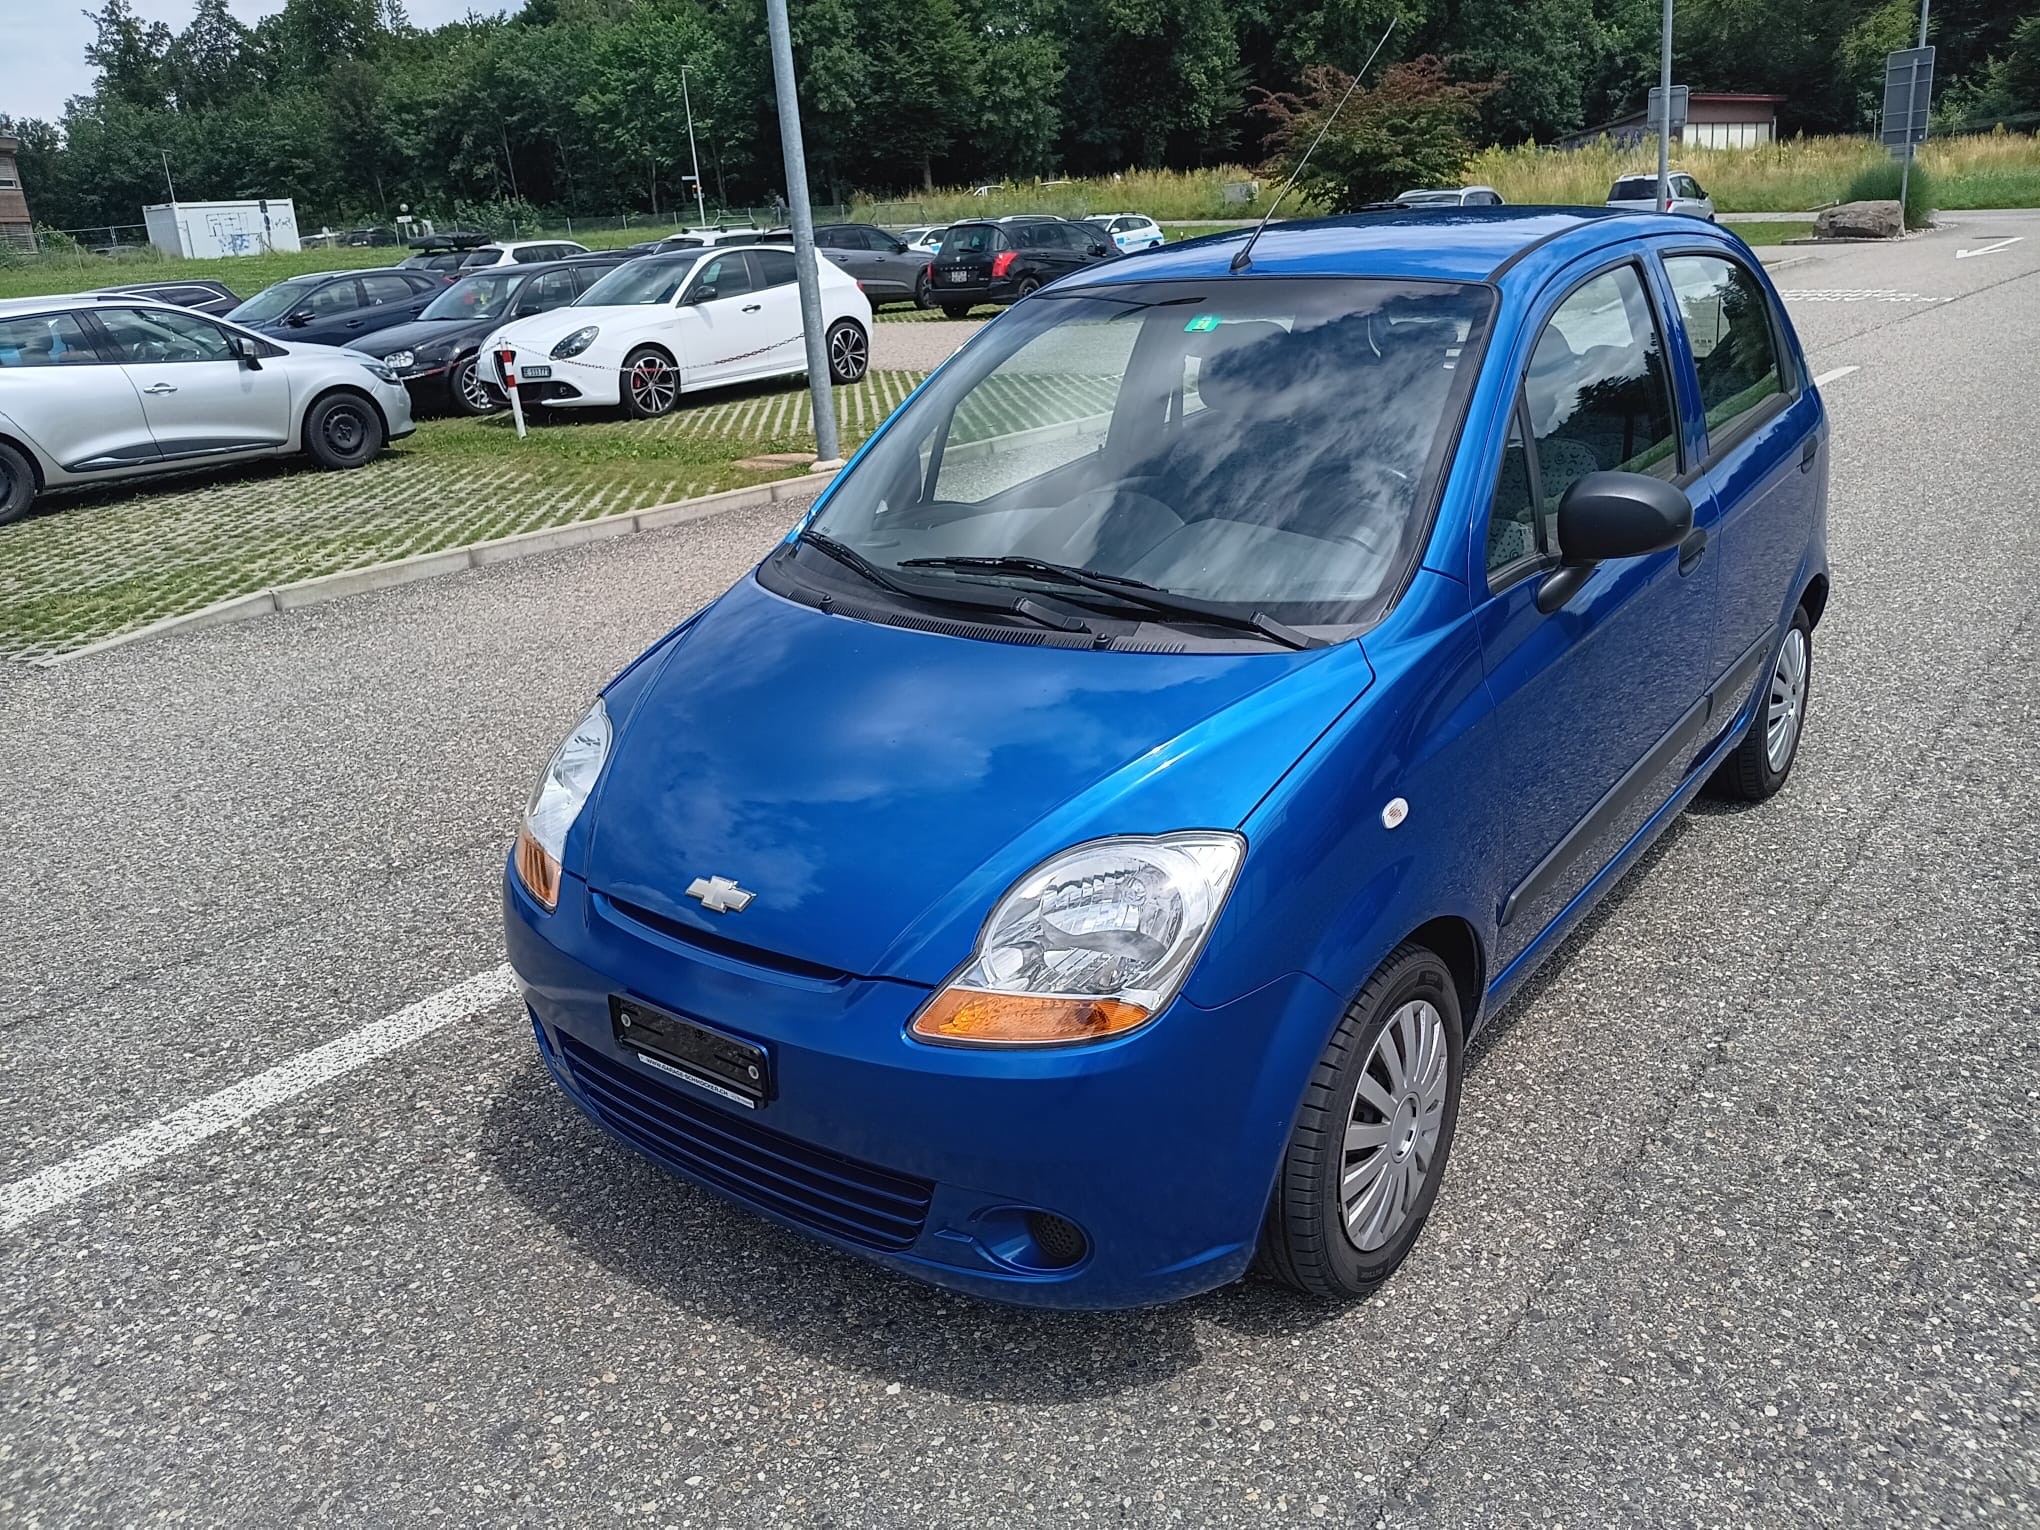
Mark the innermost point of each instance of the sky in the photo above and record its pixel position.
(42, 42)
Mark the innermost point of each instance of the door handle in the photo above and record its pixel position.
(753, 307)
(1808, 452)
(1692, 550)
(160, 388)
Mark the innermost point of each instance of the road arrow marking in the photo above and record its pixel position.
(1986, 249)
(1836, 375)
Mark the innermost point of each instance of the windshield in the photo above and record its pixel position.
(476, 297)
(652, 279)
(274, 302)
(1271, 444)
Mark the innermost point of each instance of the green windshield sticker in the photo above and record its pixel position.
(1202, 324)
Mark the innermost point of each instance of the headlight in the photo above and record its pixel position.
(557, 801)
(1091, 943)
(401, 361)
(574, 344)
(379, 372)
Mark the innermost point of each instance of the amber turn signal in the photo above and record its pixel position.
(539, 872)
(972, 1016)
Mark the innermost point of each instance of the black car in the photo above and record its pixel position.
(985, 262)
(369, 238)
(435, 354)
(202, 294)
(885, 268)
(338, 307)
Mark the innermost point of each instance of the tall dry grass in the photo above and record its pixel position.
(1997, 169)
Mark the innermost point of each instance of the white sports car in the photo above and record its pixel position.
(662, 325)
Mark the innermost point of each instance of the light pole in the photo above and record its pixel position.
(700, 206)
(1664, 141)
(1905, 165)
(802, 220)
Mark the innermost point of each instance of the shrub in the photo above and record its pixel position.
(1409, 131)
(1879, 182)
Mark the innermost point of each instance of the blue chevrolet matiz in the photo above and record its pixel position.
(1070, 868)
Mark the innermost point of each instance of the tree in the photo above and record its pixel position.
(211, 61)
(924, 93)
(1410, 130)
(132, 56)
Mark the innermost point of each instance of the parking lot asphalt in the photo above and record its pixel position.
(1742, 1225)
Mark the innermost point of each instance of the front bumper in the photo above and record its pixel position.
(1161, 1147)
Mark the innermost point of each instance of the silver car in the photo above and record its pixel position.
(1638, 193)
(98, 387)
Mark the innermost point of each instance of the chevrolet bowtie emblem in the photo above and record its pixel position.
(719, 895)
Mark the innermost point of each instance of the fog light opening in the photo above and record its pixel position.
(1059, 1242)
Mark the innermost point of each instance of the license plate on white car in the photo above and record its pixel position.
(534, 372)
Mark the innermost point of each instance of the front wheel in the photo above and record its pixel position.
(17, 484)
(466, 392)
(923, 298)
(849, 351)
(1368, 1151)
(343, 431)
(650, 384)
(956, 310)
(1763, 759)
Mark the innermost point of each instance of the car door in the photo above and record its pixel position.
(332, 311)
(725, 324)
(63, 389)
(1599, 702)
(1688, 198)
(200, 399)
(895, 270)
(390, 297)
(1758, 445)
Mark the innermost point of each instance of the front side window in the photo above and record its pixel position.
(1728, 327)
(1272, 446)
(334, 297)
(1599, 396)
(145, 335)
(1688, 188)
(45, 340)
(723, 276)
(1515, 530)
(552, 289)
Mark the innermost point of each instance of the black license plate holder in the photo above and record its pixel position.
(737, 1070)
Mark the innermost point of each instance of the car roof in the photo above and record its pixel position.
(16, 307)
(1395, 242)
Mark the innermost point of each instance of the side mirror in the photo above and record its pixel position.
(245, 351)
(299, 319)
(1605, 516)
(703, 295)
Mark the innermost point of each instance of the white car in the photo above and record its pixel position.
(520, 252)
(663, 325)
(1130, 231)
(1638, 193)
(924, 238)
(105, 386)
(1452, 196)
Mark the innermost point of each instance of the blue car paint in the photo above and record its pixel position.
(881, 787)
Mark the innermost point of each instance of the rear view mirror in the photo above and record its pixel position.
(245, 350)
(1606, 516)
(299, 319)
(704, 294)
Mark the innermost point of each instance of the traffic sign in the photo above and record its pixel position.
(1908, 91)
(1655, 115)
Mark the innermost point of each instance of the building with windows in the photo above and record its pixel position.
(1712, 122)
(15, 225)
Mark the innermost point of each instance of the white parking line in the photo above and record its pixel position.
(1827, 377)
(26, 1199)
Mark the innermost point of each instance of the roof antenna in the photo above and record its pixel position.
(1244, 258)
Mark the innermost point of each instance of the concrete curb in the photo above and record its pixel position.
(450, 560)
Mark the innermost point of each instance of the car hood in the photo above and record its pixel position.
(424, 335)
(542, 331)
(877, 788)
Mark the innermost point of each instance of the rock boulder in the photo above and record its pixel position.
(1860, 220)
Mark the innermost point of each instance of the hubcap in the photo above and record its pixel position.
(651, 384)
(1391, 1144)
(344, 431)
(472, 390)
(1788, 701)
(846, 352)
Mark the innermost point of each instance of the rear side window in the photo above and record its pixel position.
(774, 268)
(45, 340)
(1599, 395)
(1728, 326)
(387, 289)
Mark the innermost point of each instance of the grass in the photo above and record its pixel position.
(89, 564)
(1757, 235)
(1883, 183)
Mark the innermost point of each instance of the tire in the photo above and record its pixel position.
(466, 393)
(1410, 1005)
(923, 298)
(1027, 288)
(849, 352)
(17, 484)
(342, 430)
(956, 310)
(648, 383)
(1757, 769)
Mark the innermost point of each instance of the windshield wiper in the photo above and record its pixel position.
(1135, 592)
(852, 559)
